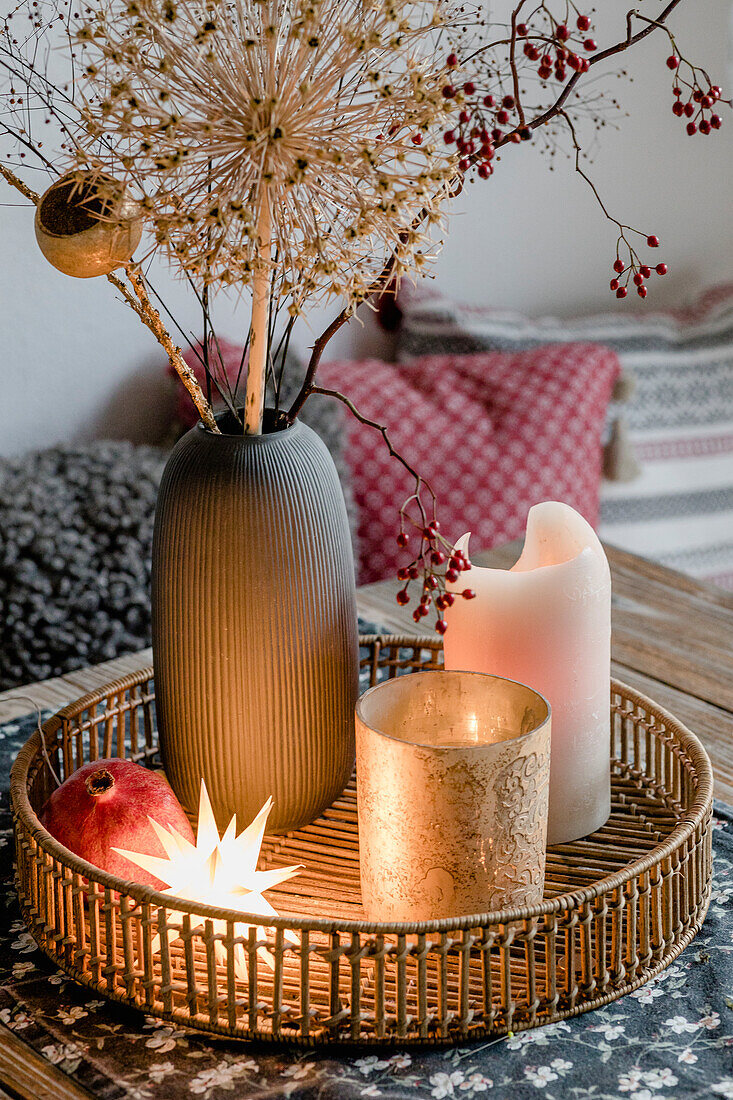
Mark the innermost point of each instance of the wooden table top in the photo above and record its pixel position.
(672, 639)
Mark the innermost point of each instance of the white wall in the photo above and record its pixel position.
(76, 364)
(535, 239)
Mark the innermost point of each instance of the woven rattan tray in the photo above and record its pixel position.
(619, 905)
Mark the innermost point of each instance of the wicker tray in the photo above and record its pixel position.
(619, 905)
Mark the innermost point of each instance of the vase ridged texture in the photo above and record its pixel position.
(254, 625)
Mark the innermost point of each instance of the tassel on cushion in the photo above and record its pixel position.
(623, 387)
(619, 460)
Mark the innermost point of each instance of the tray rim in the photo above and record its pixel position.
(572, 899)
(412, 1042)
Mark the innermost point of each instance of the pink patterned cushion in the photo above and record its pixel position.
(493, 433)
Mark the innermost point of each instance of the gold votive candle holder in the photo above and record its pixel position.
(453, 776)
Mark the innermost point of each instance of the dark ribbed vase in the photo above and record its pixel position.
(254, 625)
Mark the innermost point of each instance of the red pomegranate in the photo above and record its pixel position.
(105, 804)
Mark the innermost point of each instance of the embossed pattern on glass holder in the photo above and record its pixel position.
(453, 778)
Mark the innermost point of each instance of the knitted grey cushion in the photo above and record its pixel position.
(76, 528)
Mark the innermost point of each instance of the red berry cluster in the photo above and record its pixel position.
(635, 273)
(435, 563)
(564, 50)
(695, 103)
(472, 138)
(485, 121)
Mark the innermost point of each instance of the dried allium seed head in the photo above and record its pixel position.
(215, 107)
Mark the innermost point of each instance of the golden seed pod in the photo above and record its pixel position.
(87, 224)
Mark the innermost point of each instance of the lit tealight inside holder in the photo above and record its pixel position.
(453, 776)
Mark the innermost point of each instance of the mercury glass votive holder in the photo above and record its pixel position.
(453, 774)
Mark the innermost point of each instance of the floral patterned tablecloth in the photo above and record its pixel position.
(671, 1038)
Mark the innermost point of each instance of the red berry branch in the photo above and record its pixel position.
(435, 561)
(485, 113)
(501, 100)
(695, 98)
(630, 271)
(490, 113)
(691, 83)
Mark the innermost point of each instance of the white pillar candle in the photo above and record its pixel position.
(546, 622)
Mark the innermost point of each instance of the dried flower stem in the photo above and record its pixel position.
(18, 184)
(260, 327)
(140, 303)
(151, 317)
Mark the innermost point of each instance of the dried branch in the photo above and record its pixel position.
(378, 286)
(602, 55)
(419, 480)
(513, 64)
(151, 317)
(18, 184)
(436, 561)
(584, 175)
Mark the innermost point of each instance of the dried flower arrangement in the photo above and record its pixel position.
(298, 150)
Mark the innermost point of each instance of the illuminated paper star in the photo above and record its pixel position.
(220, 871)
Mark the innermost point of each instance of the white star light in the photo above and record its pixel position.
(219, 871)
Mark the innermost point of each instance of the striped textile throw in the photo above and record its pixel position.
(679, 510)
